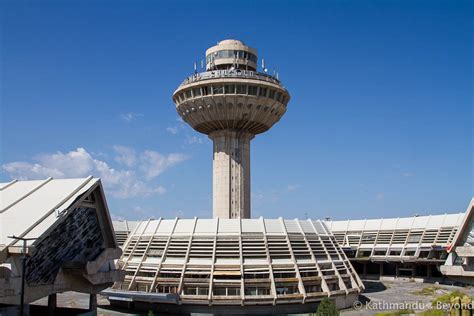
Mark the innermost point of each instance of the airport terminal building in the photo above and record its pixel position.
(278, 265)
(408, 247)
(235, 264)
(231, 263)
(252, 265)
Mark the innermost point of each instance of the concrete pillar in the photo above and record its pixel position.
(397, 271)
(364, 273)
(93, 304)
(413, 270)
(381, 269)
(231, 174)
(428, 271)
(52, 303)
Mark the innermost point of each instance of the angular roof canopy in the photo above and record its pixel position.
(74, 244)
(462, 235)
(29, 208)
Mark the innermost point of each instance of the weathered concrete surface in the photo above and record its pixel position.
(74, 246)
(231, 174)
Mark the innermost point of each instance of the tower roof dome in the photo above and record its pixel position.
(230, 41)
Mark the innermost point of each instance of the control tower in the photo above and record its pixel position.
(231, 102)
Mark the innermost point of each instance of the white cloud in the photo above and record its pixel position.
(117, 217)
(183, 128)
(267, 197)
(130, 116)
(178, 213)
(122, 184)
(73, 164)
(153, 163)
(23, 170)
(160, 190)
(293, 187)
(126, 155)
(190, 140)
(172, 130)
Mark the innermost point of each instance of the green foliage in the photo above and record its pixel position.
(428, 291)
(150, 313)
(327, 308)
(446, 298)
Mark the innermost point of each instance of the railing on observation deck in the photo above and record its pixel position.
(227, 73)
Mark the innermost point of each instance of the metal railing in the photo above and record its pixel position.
(227, 73)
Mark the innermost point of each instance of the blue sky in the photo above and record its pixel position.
(379, 124)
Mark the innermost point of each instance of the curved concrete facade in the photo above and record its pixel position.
(272, 264)
(405, 248)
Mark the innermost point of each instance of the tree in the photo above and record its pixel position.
(327, 308)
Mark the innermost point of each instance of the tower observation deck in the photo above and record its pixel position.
(231, 102)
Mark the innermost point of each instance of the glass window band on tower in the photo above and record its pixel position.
(237, 54)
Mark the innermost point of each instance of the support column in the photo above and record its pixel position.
(231, 174)
(381, 269)
(93, 303)
(52, 303)
(364, 273)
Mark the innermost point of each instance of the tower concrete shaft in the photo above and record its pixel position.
(231, 173)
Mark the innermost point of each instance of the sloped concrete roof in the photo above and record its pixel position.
(29, 208)
(462, 235)
(218, 226)
(74, 246)
(413, 222)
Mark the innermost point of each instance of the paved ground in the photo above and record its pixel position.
(379, 297)
(80, 300)
(386, 296)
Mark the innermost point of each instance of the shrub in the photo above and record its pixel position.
(446, 298)
(327, 308)
(428, 291)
